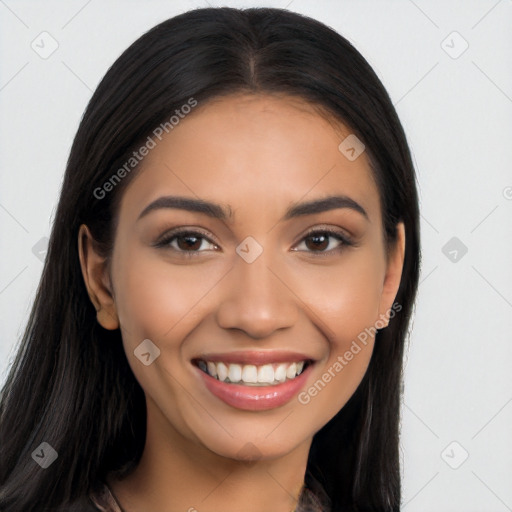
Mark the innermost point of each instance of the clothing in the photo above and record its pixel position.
(104, 501)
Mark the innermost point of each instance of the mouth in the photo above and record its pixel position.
(254, 381)
(270, 374)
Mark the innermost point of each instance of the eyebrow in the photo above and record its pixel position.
(218, 211)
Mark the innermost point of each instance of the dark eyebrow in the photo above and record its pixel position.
(217, 211)
(323, 205)
(190, 204)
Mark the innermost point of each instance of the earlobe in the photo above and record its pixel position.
(393, 274)
(94, 272)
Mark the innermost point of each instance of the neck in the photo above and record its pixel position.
(178, 474)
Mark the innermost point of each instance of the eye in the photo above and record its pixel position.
(324, 241)
(186, 242)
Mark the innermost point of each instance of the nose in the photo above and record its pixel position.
(257, 299)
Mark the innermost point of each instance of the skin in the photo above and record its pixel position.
(258, 154)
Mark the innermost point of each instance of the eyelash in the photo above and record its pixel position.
(165, 241)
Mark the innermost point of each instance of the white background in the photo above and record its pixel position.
(457, 114)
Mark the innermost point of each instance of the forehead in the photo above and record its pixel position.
(253, 151)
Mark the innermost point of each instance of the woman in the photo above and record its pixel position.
(222, 314)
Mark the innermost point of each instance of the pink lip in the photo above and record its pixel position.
(252, 398)
(256, 357)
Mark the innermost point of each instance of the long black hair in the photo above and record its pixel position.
(70, 384)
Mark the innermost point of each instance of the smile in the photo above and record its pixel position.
(251, 374)
(254, 380)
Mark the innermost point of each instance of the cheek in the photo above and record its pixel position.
(343, 298)
(161, 302)
(344, 302)
(156, 299)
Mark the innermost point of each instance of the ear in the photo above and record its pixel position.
(393, 275)
(97, 281)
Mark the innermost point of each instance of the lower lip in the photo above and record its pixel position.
(255, 398)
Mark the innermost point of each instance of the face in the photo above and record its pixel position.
(261, 309)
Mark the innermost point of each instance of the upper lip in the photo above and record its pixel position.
(256, 357)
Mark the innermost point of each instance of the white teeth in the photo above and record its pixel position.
(280, 372)
(252, 375)
(266, 373)
(235, 372)
(291, 371)
(212, 369)
(222, 371)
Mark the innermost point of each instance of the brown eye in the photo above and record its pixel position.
(318, 241)
(324, 241)
(186, 242)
